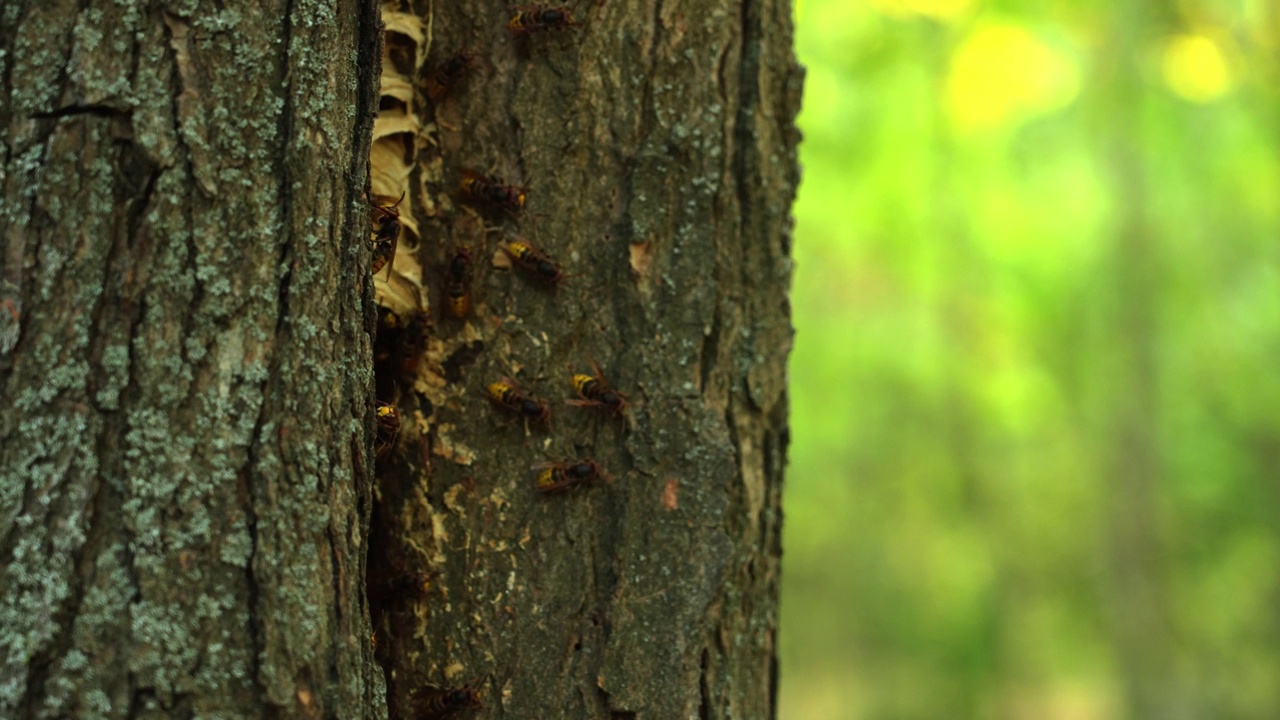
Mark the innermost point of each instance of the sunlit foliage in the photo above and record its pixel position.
(1036, 433)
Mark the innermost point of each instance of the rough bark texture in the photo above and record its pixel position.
(184, 355)
(657, 143)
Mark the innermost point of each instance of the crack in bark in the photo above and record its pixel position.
(338, 640)
(748, 70)
(92, 109)
(657, 40)
(710, 351)
(286, 180)
(185, 109)
(651, 66)
(254, 594)
(704, 690)
(7, 41)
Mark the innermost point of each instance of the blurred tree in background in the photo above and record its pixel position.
(1036, 406)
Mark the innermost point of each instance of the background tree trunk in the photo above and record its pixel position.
(1140, 614)
(657, 144)
(184, 353)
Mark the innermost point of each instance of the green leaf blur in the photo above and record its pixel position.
(1035, 470)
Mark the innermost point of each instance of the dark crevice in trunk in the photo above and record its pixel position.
(710, 352)
(102, 111)
(704, 690)
(748, 101)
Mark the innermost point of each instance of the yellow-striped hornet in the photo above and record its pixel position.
(388, 427)
(557, 476)
(530, 19)
(478, 188)
(398, 348)
(386, 236)
(595, 391)
(446, 77)
(510, 396)
(535, 261)
(385, 341)
(411, 344)
(445, 703)
(457, 287)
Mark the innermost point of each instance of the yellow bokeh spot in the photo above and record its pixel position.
(1002, 74)
(1196, 68)
(936, 9)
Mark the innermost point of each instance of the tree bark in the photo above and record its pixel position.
(184, 350)
(657, 144)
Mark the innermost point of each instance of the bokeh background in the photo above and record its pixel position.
(1035, 469)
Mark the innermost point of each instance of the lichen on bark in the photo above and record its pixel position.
(185, 413)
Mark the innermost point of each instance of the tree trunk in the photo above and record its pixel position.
(1129, 375)
(185, 349)
(184, 352)
(657, 146)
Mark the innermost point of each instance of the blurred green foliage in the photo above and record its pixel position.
(1036, 381)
